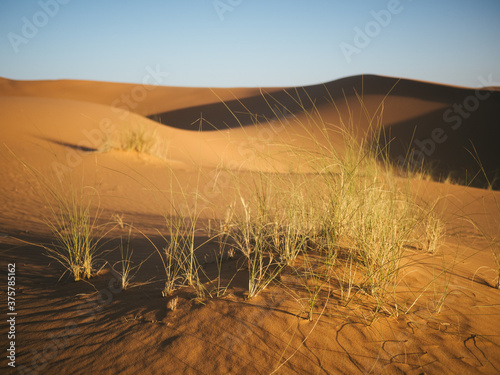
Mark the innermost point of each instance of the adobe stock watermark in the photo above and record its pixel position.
(372, 29)
(123, 105)
(223, 6)
(31, 26)
(453, 117)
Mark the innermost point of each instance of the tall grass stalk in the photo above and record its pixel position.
(493, 240)
(127, 270)
(179, 256)
(315, 278)
(250, 234)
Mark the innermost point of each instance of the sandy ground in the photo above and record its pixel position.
(206, 138)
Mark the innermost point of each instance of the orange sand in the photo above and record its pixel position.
(65, 327)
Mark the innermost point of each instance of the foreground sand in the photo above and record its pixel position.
(75, 328)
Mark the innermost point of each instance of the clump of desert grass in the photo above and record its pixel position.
(250, 232)
(179, 252)
(75, 231)
(137, 138)
(434, 231)
(72, 216)
(172, 303)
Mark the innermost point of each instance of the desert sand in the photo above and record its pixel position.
(206, 139)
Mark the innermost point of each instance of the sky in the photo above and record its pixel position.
(250, 43)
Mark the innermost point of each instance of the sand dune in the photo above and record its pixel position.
(448, 127)
(204, 139)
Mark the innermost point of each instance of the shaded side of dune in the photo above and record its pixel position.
(460, 141)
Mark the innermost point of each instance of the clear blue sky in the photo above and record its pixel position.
(235, 43)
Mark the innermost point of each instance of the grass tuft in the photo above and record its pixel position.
(72, 220)
(134, 138)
